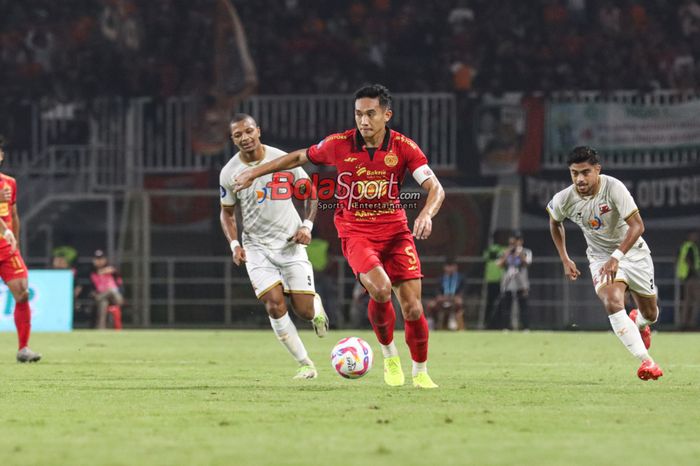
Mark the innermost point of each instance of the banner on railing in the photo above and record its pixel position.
(50, 298)
(618, 126)
(667, 193)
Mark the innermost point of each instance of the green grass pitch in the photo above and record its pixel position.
(227, 398)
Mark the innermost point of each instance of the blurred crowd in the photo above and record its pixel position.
(73, 49)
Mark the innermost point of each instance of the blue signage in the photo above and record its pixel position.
(50, 298)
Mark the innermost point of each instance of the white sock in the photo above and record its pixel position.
(389, 351)
(628, 333)
(419, 367)
(318, 305)
(642, 322)
(287, 335)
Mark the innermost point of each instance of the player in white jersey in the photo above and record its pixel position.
(619, 257)
(274, 240)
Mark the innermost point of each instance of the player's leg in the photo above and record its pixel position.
(459, 311)
(13, 272)
(524, 311)
(102, 303)
(298, 275)
(286, 331)
(115, 308)
(19, 288)
(267, 283)
(613, 298)
(409, 294)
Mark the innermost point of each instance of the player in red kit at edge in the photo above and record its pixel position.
(371, 161)
(13, 271)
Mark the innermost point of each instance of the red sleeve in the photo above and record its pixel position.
(414, 155)
(14, 193)
(323, 153)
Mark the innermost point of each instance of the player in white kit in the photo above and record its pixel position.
(618, 256)
(274, 240)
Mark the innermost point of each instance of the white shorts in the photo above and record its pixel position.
(638, 275)
(289, 267)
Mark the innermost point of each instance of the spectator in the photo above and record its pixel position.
(688, 273)
(446, 310)
(493, 273)
(515, 282)
(108, 297)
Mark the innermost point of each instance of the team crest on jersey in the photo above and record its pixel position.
(596, 223)
(261, 195)
(604, 208)
(391, 160)
(222, 191)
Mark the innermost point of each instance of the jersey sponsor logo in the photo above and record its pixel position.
(363, 171)
(222, 191)
(391, 160)
(404, 139)
(4, 209)
(261, 195)
(596, 223)
(604, 209)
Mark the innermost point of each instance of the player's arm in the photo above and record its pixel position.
(303, 234)
(635, 230)
(292, 160)
(423, 225)
(227, 218)
(556, 229)
(15, 224)
(8, 235)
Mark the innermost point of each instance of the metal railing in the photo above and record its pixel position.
(213, 292)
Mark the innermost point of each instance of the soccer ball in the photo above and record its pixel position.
(352, 357)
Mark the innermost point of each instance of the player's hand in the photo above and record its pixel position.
(243, 180)
(6, 194)
(423, 226)
(570, 269)
(10, 238)
(239, 256)
(609, 270)
(302, 236)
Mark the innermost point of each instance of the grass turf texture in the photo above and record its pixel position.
(208, 397)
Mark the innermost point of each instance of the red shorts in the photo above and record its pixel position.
(396, 255)
(12, 267)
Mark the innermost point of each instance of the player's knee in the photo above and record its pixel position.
(275, 309)
(650, 313)
(21, 295)
(381, 292)
(412, 310)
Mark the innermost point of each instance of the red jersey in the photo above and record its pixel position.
(368, 187)
(6, 208)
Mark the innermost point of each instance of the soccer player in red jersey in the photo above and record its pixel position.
(372, 161)
(13, 271)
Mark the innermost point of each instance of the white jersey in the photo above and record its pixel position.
(602, 217)
(266, 222)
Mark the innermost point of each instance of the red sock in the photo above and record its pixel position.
(383, 319)
(417, 338)
(116, 312)
(23, 322)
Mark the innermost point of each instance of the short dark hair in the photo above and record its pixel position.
(583, 154)
(375, 91)
(240, 117)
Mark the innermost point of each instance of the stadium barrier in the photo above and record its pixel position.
(195, 291)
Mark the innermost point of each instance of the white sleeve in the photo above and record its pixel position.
(422, 173)
(528, 256)
(556, 209)
(226, 194)
(623, 200)
(300, 174)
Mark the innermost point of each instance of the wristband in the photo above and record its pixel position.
(234, 244)
(617, 254)
(8, 234)
(308, 224)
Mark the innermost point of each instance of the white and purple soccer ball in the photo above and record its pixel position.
(352, 357)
